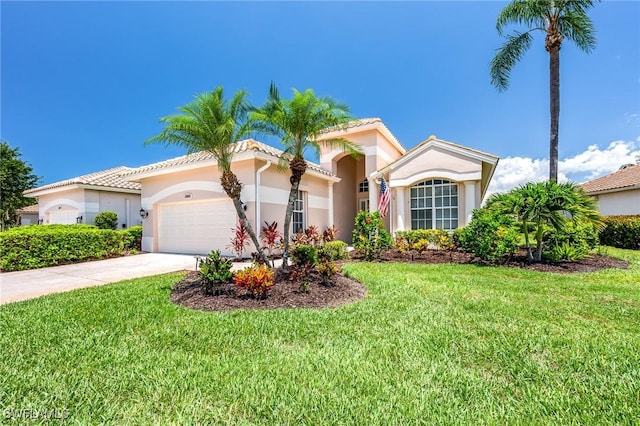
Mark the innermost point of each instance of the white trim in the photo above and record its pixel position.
(469, 200)
(435, 143)
(73, 186)
(434, 174)
(400, 193)
(60, 201)
(258, 202)
(330, 201)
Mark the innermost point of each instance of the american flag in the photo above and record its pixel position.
(385, 198)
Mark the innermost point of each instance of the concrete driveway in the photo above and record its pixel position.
(23, 285)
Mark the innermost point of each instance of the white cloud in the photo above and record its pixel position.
(592, 163)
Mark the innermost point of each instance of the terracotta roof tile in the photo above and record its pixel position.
(239, 147)
(110, 178)
(29, 209)
(624, 178)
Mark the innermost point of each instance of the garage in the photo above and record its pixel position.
(63, 217)
(196, 227)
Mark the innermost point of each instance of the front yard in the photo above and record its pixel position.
(428, 344)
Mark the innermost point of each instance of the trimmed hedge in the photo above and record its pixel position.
(621, 232)
(31, 247)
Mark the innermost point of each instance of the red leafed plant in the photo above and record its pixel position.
(330, 234)
(240, 239)
(270, 236)
(257, 280)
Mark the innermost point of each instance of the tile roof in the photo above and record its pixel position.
(30, 209)
(625, 178)
(361, 123)
(110, 178)
(239, 147)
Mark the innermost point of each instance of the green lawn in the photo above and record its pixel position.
(429, 344)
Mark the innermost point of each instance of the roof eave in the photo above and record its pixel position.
(379, 126)
(610, 190)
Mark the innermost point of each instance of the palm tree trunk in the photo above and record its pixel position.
(526, 240)
(293, 193)
(539, 235)
(243, 218)
(554, 109)
(232, 187)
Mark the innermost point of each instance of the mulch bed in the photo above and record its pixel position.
(284, 294)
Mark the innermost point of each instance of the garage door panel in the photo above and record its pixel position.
(196, 227)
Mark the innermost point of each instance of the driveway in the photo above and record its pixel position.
(23, 285)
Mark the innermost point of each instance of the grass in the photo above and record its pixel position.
(430, 344)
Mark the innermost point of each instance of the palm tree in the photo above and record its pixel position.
(210, 123)
(542, 204)
(298, 122)
(559, 19)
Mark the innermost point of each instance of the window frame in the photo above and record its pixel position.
(298, 219)
(435, 204)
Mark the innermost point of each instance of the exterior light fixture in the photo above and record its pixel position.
(143, 213)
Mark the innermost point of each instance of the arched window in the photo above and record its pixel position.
(364, 186)
(434, 204)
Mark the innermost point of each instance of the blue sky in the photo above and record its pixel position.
(84, 83)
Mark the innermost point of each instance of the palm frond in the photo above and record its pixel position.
(531, 13)
(507, 56)
(578, 27)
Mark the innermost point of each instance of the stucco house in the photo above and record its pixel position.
(617, 193)
(80, 199)
(28, 215)
(437, 184)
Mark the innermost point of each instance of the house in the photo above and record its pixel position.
(617, 193)
(28, 215)
(434, 185)
(80, 199)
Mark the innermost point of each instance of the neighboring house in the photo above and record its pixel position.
(617, 193)
(80, 199)
(434, 185)
(28, 215)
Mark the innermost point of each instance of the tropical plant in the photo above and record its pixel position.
(16, 176)
(326, 268)
(369, 235)
(270, 236)
(239, 240)
(106, 220)
(559, 19)
(211, 123)
(257, 280)
(216, 271)
(335, 250)
(329, 234)
(298, 122)
(544, 204)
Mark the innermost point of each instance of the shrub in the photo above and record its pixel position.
(106, 220)
(270, 236)
(621, 231)
(335, 250)
(304, 254)
(423, 239)
(215, 271)
(30, 247)
(132, 238)
(369, 235)
(490, 235)
(329, 234)
(239, 240)
(257, 280)
(310, 236)
(326, 268)
(573, 241)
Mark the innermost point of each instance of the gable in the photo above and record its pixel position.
(437, 162)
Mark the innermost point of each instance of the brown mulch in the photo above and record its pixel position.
(588, 264)
(285, 294)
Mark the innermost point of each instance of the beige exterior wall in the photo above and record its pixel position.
(442, 164)
(619, 203)
(344, 196)
(71, 200)
(265, 196)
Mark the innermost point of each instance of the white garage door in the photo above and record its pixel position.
(63, 217)
(196, 227)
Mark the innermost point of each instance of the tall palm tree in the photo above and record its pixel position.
(298, 122)
(559, 19)
(210, 123)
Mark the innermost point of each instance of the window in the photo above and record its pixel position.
(298, 213)
(434, 204)
(364, 186)
(363, 204)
